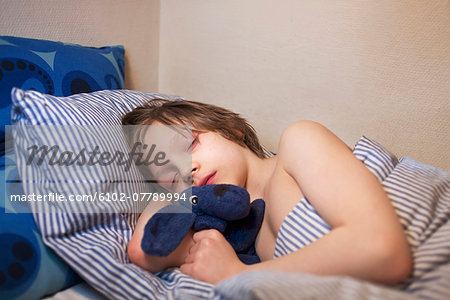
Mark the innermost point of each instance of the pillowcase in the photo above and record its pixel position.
(420, 195)
(94, 245)
(55, 68)
(99, 115)
(376, 158)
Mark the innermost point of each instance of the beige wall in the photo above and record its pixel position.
(378, 68)
(132, 23)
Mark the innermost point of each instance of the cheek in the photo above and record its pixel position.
(235, 165)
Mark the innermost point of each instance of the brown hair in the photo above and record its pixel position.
(200, 116)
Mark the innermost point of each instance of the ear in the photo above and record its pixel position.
(225, 201)
(165, 230)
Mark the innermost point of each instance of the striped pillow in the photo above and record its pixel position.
(94, 245)
(377, 159)
(100, 114)
(420, 195)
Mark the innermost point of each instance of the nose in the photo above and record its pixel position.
(194, 170)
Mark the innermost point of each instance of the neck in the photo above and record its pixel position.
(259, 172)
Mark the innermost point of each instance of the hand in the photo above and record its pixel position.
(211, 258)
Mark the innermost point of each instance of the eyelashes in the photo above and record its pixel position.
(193, 143)
(173, 177)
(174, 181)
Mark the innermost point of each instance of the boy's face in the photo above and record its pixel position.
(217, 160)
(197, 159)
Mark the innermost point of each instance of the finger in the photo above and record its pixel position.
(207, 233)
(192, 270)
(199, 235)
(197, 253)
(194, 248)
(192, 253)
(189, 259)
(186, 269)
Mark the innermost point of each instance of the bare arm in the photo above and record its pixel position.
(155, 263)
(367, 240)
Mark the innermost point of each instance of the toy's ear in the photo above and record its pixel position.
(166, 229)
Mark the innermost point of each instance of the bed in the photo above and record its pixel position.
(93, 243)
(83, 257)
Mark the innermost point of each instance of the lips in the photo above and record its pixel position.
(207, 179)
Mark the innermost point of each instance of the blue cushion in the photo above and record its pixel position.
(55, 68)
(28, 268)
(59, 69)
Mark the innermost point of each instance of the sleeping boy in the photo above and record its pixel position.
(313, 172)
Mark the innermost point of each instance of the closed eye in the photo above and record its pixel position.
(194, 143)
(174, 181)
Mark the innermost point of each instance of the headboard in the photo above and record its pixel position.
(380, 69)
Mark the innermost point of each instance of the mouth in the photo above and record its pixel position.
(207, 179)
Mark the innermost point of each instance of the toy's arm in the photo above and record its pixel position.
(166, 229)
(241, 234)
(155, 263)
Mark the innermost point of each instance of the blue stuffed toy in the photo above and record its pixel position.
(224, 207)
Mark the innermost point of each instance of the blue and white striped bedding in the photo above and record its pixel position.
(95, 245)
(420, 195)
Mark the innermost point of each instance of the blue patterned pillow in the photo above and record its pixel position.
(55, 68)
(28, 268)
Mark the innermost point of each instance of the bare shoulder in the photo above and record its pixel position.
(310, 139)
(326, 170)
(303, 128)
